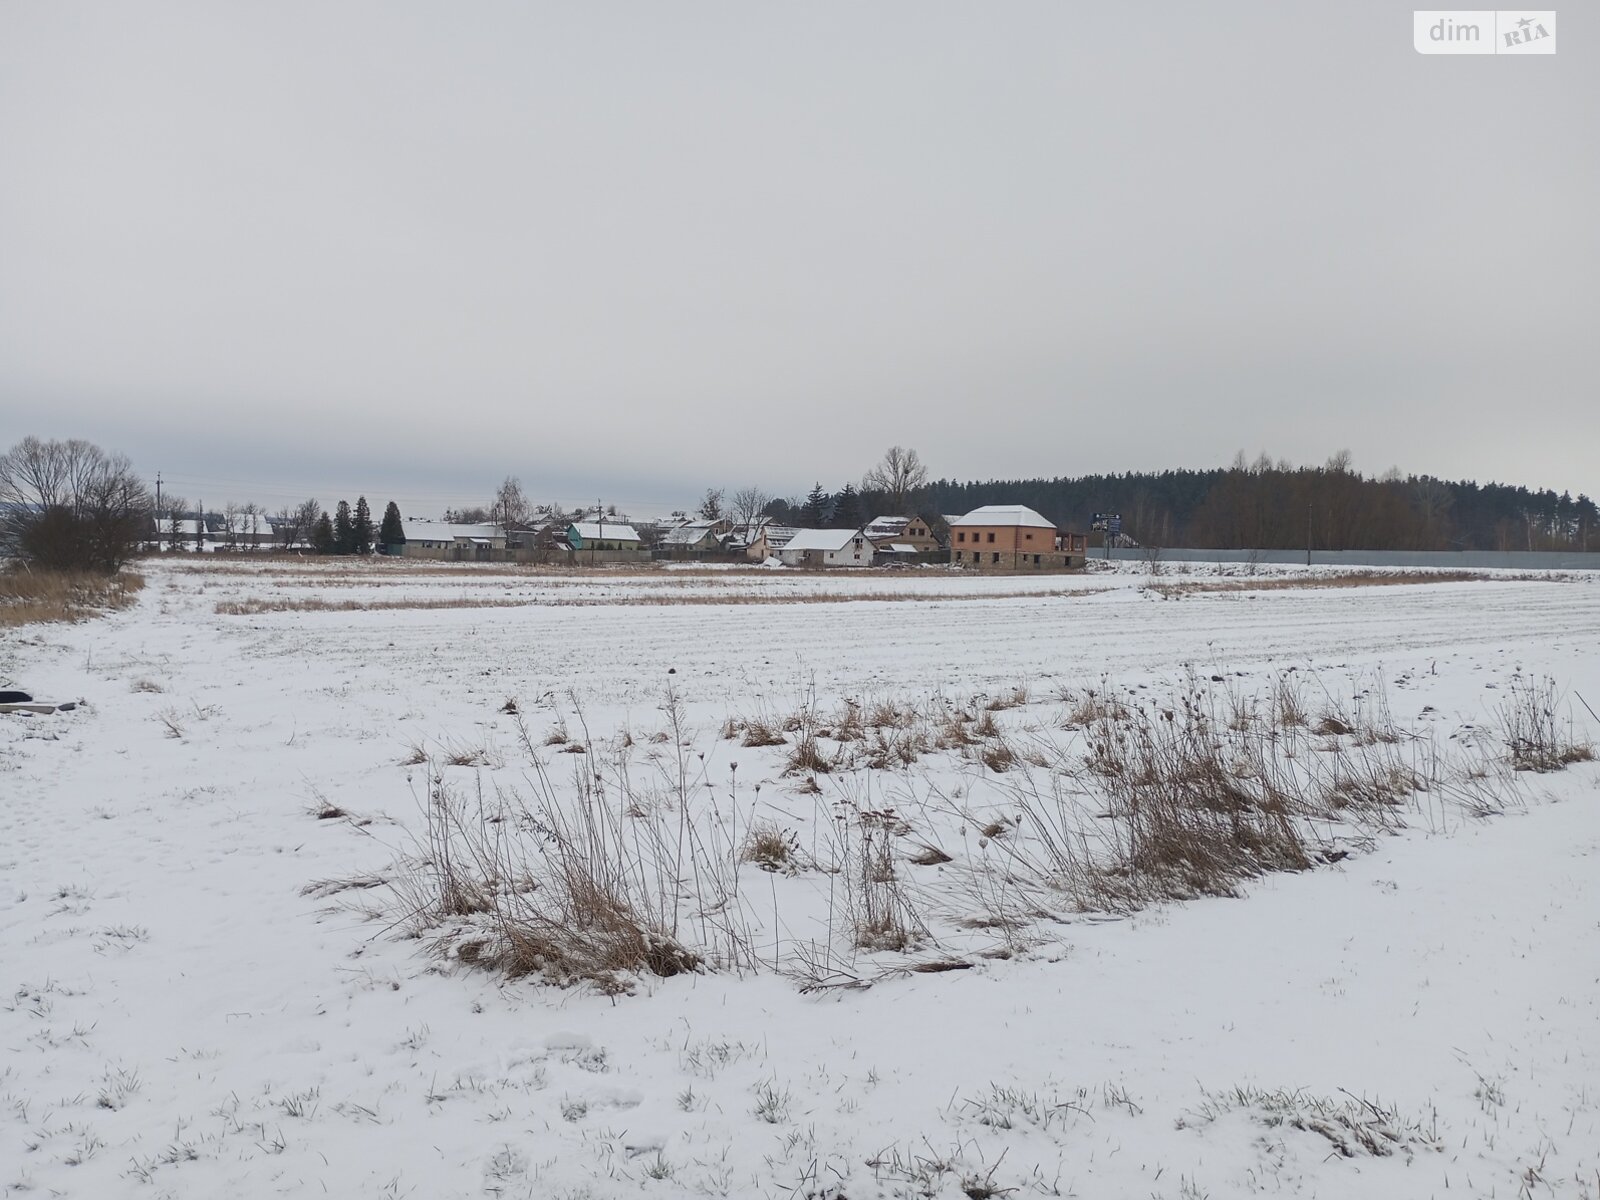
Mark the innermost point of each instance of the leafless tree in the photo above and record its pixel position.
(71, 506)
(711, 505)
(253, 523)
(295, 524)
(231, 513)
(899, 475)
(748, 504)
(510, 507)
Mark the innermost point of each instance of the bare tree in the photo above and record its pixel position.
(252, 521)
(295, 524)
(510, 506)
(230, 524)
(711, 505)
(899, 475)
(748, 504)
(71, 506)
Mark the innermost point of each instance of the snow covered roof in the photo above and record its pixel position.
(605, 531)
(887, 526)
(1004, 514)
(821, 539)
(447, 531)
(899, 548)
(779, 536)
(687, 534)
(186, 527)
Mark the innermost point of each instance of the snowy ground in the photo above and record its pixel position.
(180, 1016)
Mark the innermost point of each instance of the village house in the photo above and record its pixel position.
(827, 548)
(186, 531)
(908, 534)
(453, 542)
(694, 537)
(604, 541)
(1012, 537)
(759, 541)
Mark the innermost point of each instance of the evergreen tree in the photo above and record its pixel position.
(200, 527)
(847, 508)
(361, 528)
(393, 530)
(344, 534)
(322, 536)
(816, 507)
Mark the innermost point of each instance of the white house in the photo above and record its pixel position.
(448, 540)
(187, 529)
(827, 548)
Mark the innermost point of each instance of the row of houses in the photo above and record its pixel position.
(995, 537)
(991, 538)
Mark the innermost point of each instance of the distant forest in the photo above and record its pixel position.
(1270, 506)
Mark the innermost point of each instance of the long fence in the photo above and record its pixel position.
(1513, 560)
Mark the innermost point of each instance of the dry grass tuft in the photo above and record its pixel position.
(771, 848)
(570, 892)
(1015, 698)
(1536, 738)
(807, 758)
(1087, 708)
(882, 915)
(760, 731)
(29, 596)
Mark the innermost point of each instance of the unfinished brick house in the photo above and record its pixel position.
(1012, 537)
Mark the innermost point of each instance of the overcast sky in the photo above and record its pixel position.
(630, 250)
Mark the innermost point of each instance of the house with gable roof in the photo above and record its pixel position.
(828, 548)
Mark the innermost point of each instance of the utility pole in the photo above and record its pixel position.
(158, 513)
(600, 527)
(1308, 535)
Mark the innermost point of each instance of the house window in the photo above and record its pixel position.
(994, 557)
(991, 536)
(1029, 536)
(1036, 560)
(961, 537)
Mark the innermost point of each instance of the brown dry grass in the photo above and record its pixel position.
(1349, 580)
(316, 604)
(28, 596)
(771, 848)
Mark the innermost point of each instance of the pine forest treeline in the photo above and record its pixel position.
(1274, 506)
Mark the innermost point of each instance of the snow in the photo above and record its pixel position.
(821, 539)
(1004, 514)
(182, 1017)
(615, 531)
(690, 533)
(419, 530)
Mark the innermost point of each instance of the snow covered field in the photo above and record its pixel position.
(211, 985)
